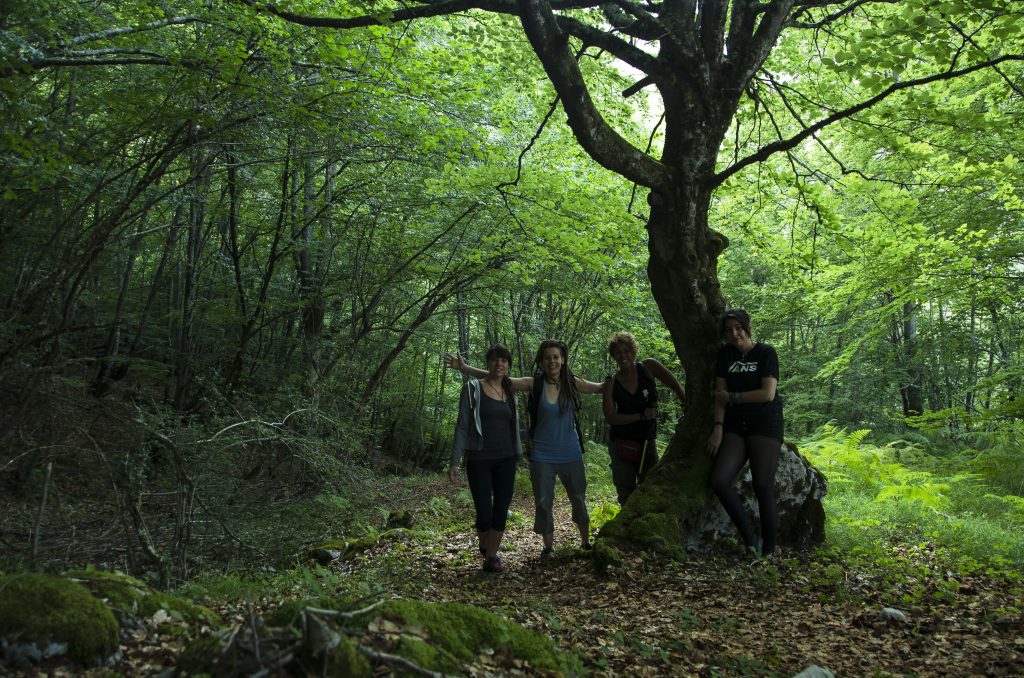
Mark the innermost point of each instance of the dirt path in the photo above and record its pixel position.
(712, 617)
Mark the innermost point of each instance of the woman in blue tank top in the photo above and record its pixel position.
(557, 447)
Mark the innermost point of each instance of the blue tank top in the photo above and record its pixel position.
(555, 440)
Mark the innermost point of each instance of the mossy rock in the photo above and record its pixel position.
(286, 614)
(344, 660)
(423, 654)
(49, 612)
(464, 631)
(334, 550)
(605, 555)
(134, 597)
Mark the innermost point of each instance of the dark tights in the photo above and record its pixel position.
(491, 482)
(763, 454)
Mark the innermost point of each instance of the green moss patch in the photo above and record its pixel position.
(464, 632)
(346, 661)
(333, 550)
(132, 596)
(47, 611)
(664, 507)
(606, 555)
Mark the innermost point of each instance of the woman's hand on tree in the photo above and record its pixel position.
(715, 441)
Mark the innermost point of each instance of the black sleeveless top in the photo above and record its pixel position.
(634, 403)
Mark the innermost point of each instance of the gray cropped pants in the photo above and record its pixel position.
(574, 479)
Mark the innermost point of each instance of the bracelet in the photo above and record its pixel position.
(719, 423)
(734, 397)
(642, 417)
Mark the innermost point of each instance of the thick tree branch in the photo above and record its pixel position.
(126, 30)
(747, 58)
(846, 8)
(592, 131)
(786, 144)
(634, 56)
(712, 29)
(422, 11)
(632, 20)
(36, 58)
(53, 62)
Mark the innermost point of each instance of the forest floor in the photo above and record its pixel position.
(721, 616)
(705, 616)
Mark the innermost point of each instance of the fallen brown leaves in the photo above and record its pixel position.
(703, 617)
(724, 616)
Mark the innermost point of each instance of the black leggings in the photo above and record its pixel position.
(763, 453)
(491, 482)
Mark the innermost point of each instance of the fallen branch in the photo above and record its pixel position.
(395, 660)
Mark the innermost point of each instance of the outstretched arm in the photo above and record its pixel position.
(585, 386)
(662, 374)
(456, 362)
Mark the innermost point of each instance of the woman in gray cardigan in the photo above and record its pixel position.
(487, 434)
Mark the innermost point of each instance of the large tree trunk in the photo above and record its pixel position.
(674, 508)
(668, 504)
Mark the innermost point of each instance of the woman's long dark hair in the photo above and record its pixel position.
(567, 391)
(500, 351)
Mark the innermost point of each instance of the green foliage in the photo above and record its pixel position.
(237, 587)
(898, 492)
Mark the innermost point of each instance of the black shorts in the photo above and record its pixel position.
(770, 427)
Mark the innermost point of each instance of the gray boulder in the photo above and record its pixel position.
(799, 489)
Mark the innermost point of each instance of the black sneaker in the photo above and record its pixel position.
(494, 565)
(587, 545)
(548, 553)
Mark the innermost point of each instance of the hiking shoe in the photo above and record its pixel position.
(494, 565)
(587, 545)
(548, 553)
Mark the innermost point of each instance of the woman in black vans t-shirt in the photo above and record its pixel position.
(747, 426)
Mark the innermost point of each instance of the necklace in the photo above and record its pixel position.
(498, 392)
(553, 383)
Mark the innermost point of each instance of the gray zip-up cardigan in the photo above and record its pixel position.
(469, 430)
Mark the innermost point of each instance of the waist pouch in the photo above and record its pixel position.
(631, 450)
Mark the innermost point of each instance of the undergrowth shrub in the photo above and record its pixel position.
(996, 457)
(898, 492)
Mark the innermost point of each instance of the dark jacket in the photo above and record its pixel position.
(468, 429)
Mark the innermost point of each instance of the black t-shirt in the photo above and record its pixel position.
(744, 373)
(635, 403)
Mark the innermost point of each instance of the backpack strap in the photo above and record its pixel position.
(533, 401)
(642, 372)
